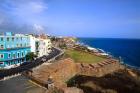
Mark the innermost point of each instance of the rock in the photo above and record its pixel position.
(132, 73)
(73, 90)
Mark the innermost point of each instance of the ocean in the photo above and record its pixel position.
(127, 49)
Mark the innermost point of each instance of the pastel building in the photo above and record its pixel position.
(13, 49)
(40, 46)
(43, 46)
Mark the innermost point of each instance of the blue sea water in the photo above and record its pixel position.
(127, 49)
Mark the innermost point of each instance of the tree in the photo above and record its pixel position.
(31, 56)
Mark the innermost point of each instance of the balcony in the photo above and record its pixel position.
(13, 59)
(14, 48)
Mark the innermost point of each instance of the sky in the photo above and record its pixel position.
(81, 18)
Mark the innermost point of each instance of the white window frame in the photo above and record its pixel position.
(22, 53)
(9, 54)
(1, 46)
(17, 54)
(1, 39)
(26, 52)
(13, 55)
(2, 57)
(17, 45)
(1, 63)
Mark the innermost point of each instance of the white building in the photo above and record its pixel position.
(40, 45)
(33, 43)
(44, 47)
(15, 47)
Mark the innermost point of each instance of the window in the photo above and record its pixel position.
(9, 55)
(22, 54)
(18, 61)
(18, 55)
(17, 45)
(8, 63)
(1, 38)
(1, 63)
(17, 38)
(14, 56)
(12, 38)
(1, 56)
(14, 62)
(25, 52)
(1, 46)
(27, 38)
(8, 39)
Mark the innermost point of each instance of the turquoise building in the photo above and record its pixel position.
(13, 49)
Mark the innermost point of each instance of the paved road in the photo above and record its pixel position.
(20, 84)
(30, 65)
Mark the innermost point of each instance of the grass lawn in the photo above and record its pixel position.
(83, 57)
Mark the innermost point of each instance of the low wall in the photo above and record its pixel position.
(34, 79)
(63, 70)
(98, 70)
(60, 71)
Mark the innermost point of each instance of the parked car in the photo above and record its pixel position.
(25, 63)
(43, 59)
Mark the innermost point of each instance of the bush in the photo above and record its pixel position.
(31, 56)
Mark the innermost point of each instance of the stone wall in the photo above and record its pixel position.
(60, 71)
(99, 69)
(63, 70)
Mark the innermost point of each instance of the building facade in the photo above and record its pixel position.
(33, 43)
(13, 49)
(43, 46)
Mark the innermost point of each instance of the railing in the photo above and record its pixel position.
(11, 59)
(53, 55)
(15, 48)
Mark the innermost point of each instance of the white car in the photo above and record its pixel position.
(43, 59)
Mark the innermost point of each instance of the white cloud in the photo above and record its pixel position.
(29, 7)
(22, 14)
(37, 7)
(38, 28)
